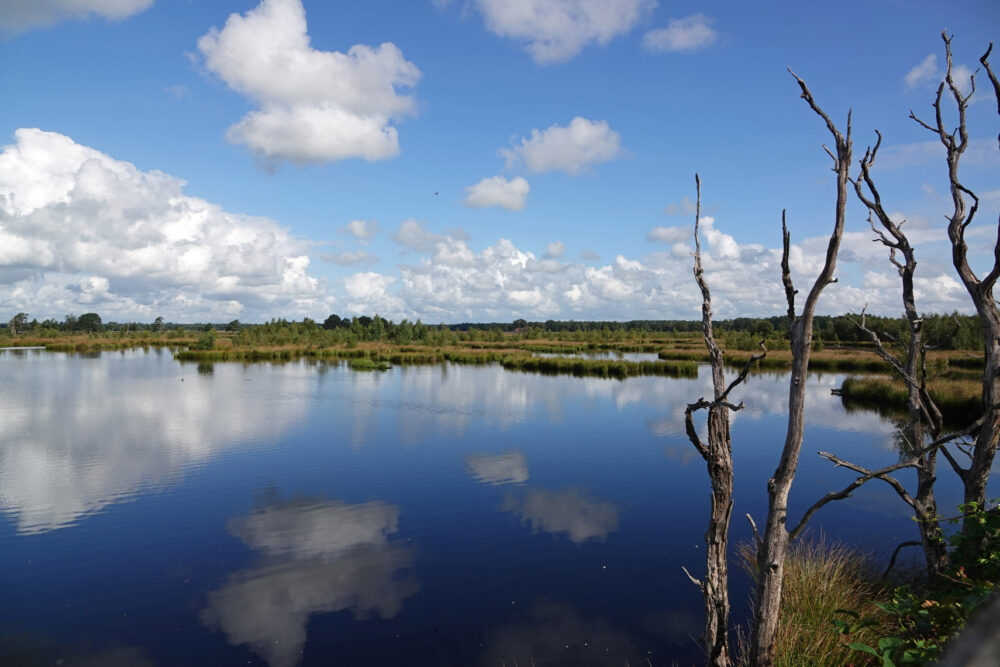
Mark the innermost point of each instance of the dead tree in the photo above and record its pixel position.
(955, 143)
(772, 547)
(924, 416)
(719, 459)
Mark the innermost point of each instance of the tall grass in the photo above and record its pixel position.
(959, 397)
(600, 367)
(821, 578)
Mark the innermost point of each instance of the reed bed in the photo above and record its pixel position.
(600, 367)
(959, 399)
(367, 365)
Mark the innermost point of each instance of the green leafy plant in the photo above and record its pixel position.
(926, 619)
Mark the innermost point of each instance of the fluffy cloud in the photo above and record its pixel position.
(926, 72)
(369, 293)
(415, 236)
(670, 234)
(17, 16)
(580, 144)
(79, 229)
(449, 281)
(315, 105)
(555, 250)
(350, 258)
(363, 230)
(688, 34)
(498, 191)
(556, 30)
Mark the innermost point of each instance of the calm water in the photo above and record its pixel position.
(158, 513)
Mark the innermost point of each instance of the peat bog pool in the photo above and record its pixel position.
(165, 513)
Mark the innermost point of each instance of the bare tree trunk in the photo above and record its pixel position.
(719, 459)
(923, 413)
(773, 547)
(955, 142)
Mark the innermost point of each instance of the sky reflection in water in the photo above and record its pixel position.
(303, 513)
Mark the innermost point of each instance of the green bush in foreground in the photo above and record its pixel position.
(924, 620)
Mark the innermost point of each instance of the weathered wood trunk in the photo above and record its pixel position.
(985, 447)
(981, 291)
(773, 547)
(924, 417)
(716, 588)
(719, 460)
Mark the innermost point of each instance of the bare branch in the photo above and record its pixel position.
(882, 473)
(959, 470)
(985, 60)
(807, 96)
(696, 582)
(692, 433)
(913, 116)
(743, 374)
(753, 527)
(786, 272)
(895, 554)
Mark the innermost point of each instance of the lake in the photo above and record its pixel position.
(160, 513)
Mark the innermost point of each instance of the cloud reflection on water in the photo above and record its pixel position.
(318, 556)
(81, 435)
(507, 468)
(580, 516)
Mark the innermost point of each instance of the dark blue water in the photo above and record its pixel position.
(158, 513)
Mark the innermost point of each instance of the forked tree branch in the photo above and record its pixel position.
(882, 473)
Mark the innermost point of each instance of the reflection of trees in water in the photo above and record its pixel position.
(556, 634)
(318, 556)
(580, 516)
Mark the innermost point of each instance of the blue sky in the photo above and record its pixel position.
(476, 160)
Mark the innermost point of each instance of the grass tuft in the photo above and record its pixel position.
(821, 578)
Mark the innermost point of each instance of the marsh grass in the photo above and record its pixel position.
(822, 578)
(368, 365)
(600, 367)
(957, 395)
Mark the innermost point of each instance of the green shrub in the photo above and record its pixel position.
(206, 341)
(925, 619)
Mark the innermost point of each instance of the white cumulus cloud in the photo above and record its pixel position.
(556, 30)
(926, 72)
(554, 250)
(79, 229)
(670, 234)
(19, 15)
(498, 191)
(363, 230)
(349, 257)
(580, 144)
(315, 106)
(687, 34)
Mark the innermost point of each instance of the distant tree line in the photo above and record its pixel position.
(949, 332)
